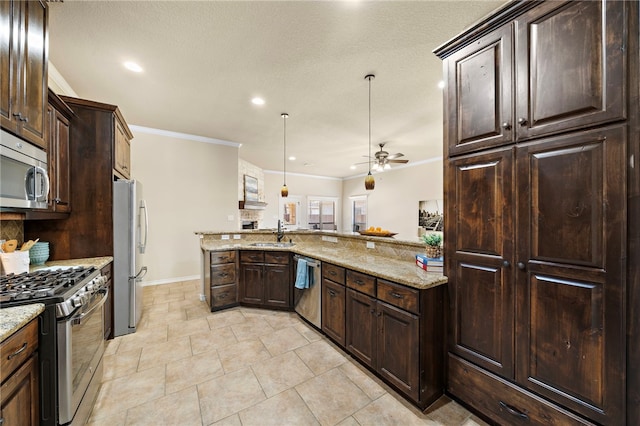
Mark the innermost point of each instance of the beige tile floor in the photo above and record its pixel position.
(188, 366)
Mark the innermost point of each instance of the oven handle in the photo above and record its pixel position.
(77, 320)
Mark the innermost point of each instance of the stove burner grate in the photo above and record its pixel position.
(41, 283)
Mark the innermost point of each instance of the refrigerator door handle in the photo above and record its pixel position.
(139, 277)
(143, 245)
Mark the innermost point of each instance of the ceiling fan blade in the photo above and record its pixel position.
(398, 161)
(392, 156)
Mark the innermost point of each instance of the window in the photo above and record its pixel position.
(322, 214)
(358, 213)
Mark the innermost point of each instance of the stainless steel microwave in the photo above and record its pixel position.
(24, 182)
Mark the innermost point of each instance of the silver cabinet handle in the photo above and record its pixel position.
(19, 351)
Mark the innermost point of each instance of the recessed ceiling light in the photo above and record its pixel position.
(257, 101)
(132, 66)
(441, 84)
(292, 158)
(353, 167)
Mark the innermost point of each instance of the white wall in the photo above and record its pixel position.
(189, 186)
(393, 204)
(302, 186)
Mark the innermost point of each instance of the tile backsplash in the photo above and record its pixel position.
(12, 230)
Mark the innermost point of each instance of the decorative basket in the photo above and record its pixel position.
(433, 252)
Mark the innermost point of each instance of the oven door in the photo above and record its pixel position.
(80, 349)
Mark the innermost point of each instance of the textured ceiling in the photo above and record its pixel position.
(204, 61)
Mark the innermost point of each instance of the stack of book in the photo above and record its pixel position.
(430, 264)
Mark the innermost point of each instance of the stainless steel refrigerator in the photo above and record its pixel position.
(130, 232)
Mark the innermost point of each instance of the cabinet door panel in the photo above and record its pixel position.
(251, 285)
(478, 264)
(62, 201)
(398, 347)
(277, 287)
(34, 77)
(361, 327)
(333, 310)
(479, 96)
(569, 75)
(9, 14)
(571, 287)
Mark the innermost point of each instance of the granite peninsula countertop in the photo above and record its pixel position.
(396, 270)
(13, 319)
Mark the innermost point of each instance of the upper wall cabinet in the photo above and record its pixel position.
(557, 67)
(23, 66)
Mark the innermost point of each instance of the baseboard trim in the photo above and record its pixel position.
(171, 280)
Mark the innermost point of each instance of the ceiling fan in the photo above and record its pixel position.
(382, 159)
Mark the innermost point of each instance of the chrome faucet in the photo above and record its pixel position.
(280, 234)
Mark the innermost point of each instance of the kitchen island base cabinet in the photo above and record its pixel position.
(265, 279)
(221, 287)
(394, 330)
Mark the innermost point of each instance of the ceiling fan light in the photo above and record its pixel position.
(369, 182)
(387, 166)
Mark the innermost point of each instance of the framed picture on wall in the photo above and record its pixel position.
(250, 188)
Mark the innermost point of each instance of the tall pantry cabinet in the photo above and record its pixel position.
(541, 223)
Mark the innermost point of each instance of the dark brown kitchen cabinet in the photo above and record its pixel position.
(558, 66)
(481, 287)
(333, 302)
(19, 377)
(220, 278)
(58, 116)
(361, 327)
(543, 224)
(398, 347)
(122, 157)
(398, 332)
(265, 279)
(23, 66)
(107, 272)
(88, 231)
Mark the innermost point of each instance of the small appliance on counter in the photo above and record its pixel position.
(130, 231)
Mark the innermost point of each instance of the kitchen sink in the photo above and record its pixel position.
(272, 244)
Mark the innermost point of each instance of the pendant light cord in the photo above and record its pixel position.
(284, 155)
(369, 78)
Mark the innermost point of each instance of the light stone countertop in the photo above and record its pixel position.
(399, 271)
(13, 319)
(98, 262)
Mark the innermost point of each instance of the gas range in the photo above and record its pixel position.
(68, 288)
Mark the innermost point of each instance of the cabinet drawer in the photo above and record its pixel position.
(501, 400)
(106, 271)
(397, 295)
(362, 282)
(17, 348)
(333, 273)
(252, 256)
(218, 257)
(279, 257)
(224, 295)
(223, 274)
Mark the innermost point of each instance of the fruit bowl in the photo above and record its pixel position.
(377, 233)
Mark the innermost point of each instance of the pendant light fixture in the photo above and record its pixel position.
(369, 181)
(284, 191)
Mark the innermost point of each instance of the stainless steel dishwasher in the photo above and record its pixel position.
(308, 302)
